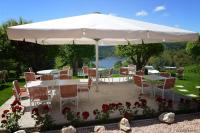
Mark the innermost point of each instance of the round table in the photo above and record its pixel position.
(50, 71)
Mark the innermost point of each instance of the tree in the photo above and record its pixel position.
(74, 55)
(139, 54)
(18, 55)
(193, 48)
(7, 51)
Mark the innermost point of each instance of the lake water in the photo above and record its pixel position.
(109, 62)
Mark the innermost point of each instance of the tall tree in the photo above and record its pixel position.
(139, 54)
(7, 51)
(74, 55)
(193, 48)
(18, 55)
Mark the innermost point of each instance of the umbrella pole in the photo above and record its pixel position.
(97, 63)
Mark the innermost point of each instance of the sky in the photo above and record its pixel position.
(177, 13)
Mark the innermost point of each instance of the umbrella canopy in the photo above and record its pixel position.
(107, 28)
(97, 29)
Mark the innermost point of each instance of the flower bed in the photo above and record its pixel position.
(132, 111)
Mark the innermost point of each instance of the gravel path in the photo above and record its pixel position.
(189, 123)
(184, 123)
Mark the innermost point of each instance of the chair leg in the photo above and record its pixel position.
(60, 106)
(142, 90)
(77, 104)
(163, 93)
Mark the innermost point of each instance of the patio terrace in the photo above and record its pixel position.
(116, 92)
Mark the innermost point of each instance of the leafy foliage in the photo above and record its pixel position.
(42, 117)
(193, 48)
(140, 54)
(75, 55)
(17, 55)
(11, 117)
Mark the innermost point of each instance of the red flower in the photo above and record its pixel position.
(95, 111)
(16, 108)
(78, 114)
(35, 111)
(16, 102)
(137, 104)
(112, 106)
(143, 102)
(85, 115)
(3, 115)
(5, 111)
(46, 107)
(128, 104)
(159, 99)
(105, 108)
(3, 121)
(66, 109)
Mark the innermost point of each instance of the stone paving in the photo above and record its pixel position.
(108, 93)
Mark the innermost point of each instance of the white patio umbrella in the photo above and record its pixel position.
(96, 29)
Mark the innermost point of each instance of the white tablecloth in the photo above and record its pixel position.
(49, 83)
(50, 71)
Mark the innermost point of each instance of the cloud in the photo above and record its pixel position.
(142, 13)
(159, 8)
(112, 14)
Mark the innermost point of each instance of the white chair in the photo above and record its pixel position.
(39, 95)
(85, 87)
(139, 82)
(168, 85)
(19, 92)
(68, 92)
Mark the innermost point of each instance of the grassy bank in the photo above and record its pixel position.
(6, 90)
(191, 79)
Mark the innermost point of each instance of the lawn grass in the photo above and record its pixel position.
(6, 90)
(191, 79)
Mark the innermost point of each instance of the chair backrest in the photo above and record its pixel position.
(165, 74)
(141, 73)
(137, 80)
(29, 76)
(46, 77)
(30, 69)
(132, 67)
(91, 73)
(67, 91)
(123, 71)
(64, 76)
(169, 83)
(65, 71)
(16, 89)
(85, 70)
(38, 93)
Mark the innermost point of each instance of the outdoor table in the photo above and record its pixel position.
(50, 83)
(153, 72)
(170, 68)
(99, 69)
(50, 71)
